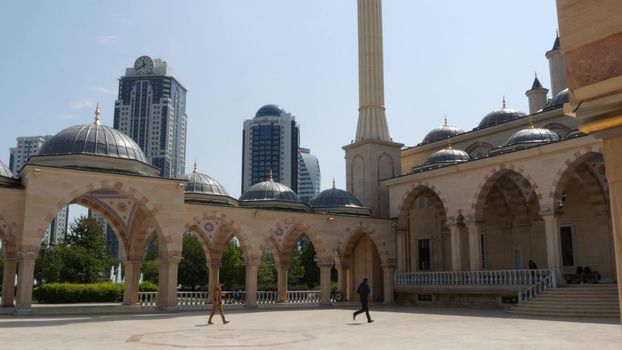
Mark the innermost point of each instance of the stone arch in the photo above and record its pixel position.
(143, 202)
(490, 179)
(570, 164)
(198, 232)
(386, 166)
(111, 220)
(288, 232)
(409, 198)
(357, 176)
(352, 235)
(227, 230)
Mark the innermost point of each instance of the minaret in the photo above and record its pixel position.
(536, 96)
(372, 123)
(372, 156)
(557, 66)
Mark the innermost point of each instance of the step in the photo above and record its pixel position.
(564, 314)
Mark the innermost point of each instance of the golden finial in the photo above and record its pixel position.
(333, 183)
(503, 101)
(557, 33)
(449, 143)
(195, 169)
(530, 122)
(97, 113)
(446, 120)
(270, 175)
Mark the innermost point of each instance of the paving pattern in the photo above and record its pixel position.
(394, 328)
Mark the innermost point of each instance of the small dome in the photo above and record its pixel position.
(500, 116)
(333, 198)
(442, 133)
(531, 136)
(95, 139)
(270, 191)
(201, 183)
(559, 100)
(447, 156)
(269, 111)
(4, 170)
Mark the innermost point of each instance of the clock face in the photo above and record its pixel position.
(143, 65)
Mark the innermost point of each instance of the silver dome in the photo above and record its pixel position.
(4, 170)
(447, 156)
(338, 201)
(442, 133)
(94, 139)
(270, 190)
(499, 116)
(269, 111)
(201, 183)
(531, 136)
(559, 100)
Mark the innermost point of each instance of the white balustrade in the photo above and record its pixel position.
(303, 296)
(267, 297)
(192, 300)
(147, 298)
(479, 278)
(234, 297)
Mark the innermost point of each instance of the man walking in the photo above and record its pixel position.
(217, 304)
(364, 291)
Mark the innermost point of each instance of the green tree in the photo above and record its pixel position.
(150, 267)
(81, 258)
(266, 273)
(308, 261)
(232, 270)
(192, 269)
(295, 272)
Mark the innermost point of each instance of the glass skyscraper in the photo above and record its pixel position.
(270, 143)
(309, 177)
(151, 109)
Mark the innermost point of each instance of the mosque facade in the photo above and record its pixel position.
(463, 217)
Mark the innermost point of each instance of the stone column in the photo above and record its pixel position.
(349, 295)
(456, 254)
(613, 168)
(213, 278)
(553, 248)
(388, 284)
(475, 246)
(167, 295)
(325, 284)
(282, 282)
(251, 284)
(342, 280)
(132, 282)
(8, 282)
(25, 276)
(401, 243)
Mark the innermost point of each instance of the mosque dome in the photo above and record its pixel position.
(4, 170)
(557, 101)
(93, 139)
(499, 116)
(203, 188)
(447, 156)
(531, 136)
(269, 111)
(271, 194)
(442, 133)
(338, 201)
(202, 183)
(69, 146)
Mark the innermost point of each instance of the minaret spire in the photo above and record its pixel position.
(97, 113)
(372, 121)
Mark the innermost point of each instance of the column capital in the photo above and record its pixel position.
(324, 265)
(251, 263)
(388, 266)
(169, 260)
(546, 212)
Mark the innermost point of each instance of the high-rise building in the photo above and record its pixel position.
(270, 143)
(28, 146)
(151, 109)
(309, 178)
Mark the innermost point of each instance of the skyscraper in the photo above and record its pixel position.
(151, 109)
(309, 178)
(270, 142)
(28, 146)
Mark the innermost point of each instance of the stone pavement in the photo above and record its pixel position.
(325, 329)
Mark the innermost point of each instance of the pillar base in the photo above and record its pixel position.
(251, 307)
(22, 312)
(168, 308)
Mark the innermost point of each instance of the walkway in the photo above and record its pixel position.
(395, 328)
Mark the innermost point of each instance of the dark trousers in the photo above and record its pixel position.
(365, 309)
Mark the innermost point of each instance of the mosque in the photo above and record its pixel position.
(464, 217)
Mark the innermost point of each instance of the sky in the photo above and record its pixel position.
(441, 57)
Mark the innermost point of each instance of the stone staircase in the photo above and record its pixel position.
(593, 300)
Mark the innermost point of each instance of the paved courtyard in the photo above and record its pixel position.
(394, 328)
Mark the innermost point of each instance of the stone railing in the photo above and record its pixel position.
(537, 288)
(472, 278)
(197, 300)
(147, 298)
